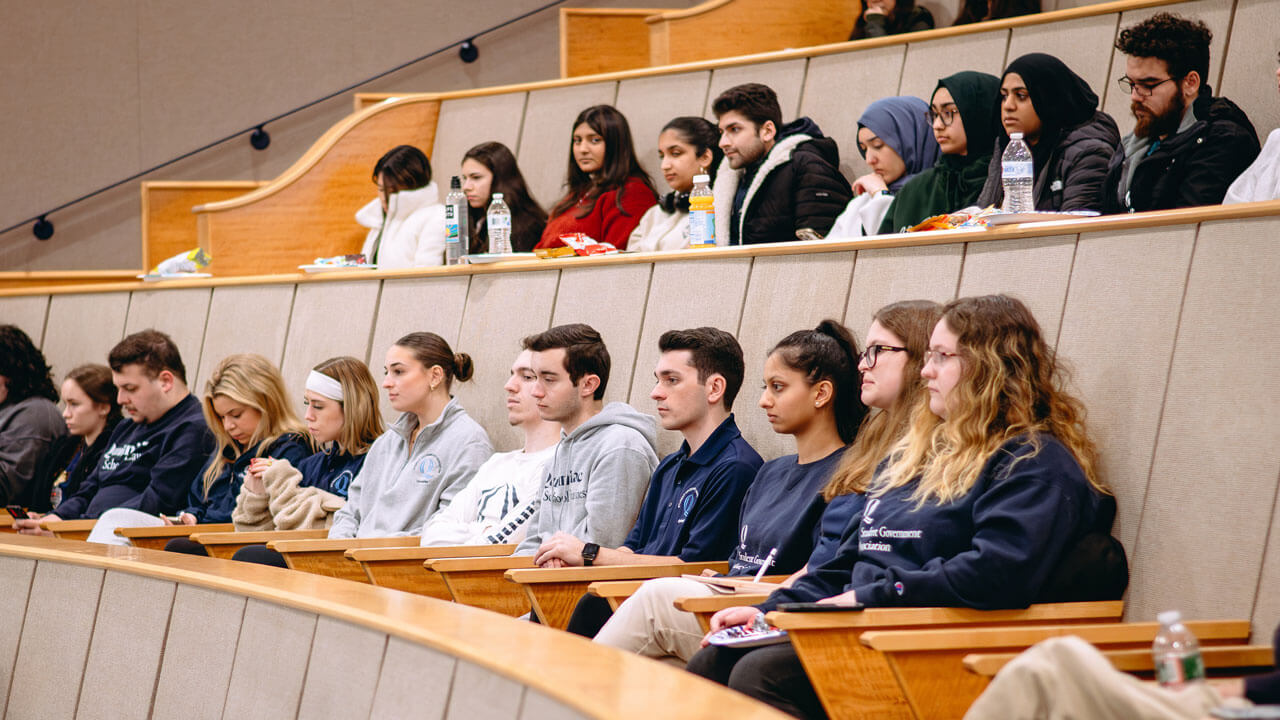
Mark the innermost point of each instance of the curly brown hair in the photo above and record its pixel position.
(1181, 43)
(22, 363)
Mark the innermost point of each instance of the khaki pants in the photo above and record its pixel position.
(649, 625)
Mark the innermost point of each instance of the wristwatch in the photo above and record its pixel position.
(589, 552)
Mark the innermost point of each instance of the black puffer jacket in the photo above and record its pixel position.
(797, 186)
(1072, 177)
(1194, 167)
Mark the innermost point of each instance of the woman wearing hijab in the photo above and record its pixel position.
(1071, 140)
(895, 139)
(962, 113)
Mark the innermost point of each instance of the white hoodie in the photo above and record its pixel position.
(496, 506)
(412, 231)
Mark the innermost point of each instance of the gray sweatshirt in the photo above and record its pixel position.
(597, 479)
(27, 429)
(400, 485)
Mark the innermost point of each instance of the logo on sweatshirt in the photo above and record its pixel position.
(688, 501)
(340, 484)
(118, 455)
(429, 469)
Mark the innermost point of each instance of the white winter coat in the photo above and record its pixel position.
(413, 231)
(660, 230)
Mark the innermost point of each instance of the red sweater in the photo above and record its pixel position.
(605, 222)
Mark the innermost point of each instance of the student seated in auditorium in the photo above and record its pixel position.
(649, 624)
(598, 474)
(994, 484)
(427, 455)
(895, 139)
(152, 457)
(91, 413)
(973, 11)
(29, 422)
(498, 504)
(607, 191)
(1187, 146)
(962, 113)
(891, 17)
(687, 146)
(1262, 180)
(406, 221)
(490, 168)
(251, 416)
(1071, 141)
(695, 495)
(775, 180)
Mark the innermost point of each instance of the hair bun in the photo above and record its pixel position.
(463, 366)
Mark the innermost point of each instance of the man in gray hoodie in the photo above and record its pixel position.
(597, 478)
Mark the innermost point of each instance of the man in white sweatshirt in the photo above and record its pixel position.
(600, 470)
(499, 502)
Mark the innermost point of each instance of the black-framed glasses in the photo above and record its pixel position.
(1144, 88)
(948, 116)
(873, 351)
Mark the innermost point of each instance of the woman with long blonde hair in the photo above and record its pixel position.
(993, 486)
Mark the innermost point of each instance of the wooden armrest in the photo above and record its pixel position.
(1043, 614)
(385, 554)
(401, 568)
(712, 604)
(221, 537)
(471, 564)
(1139, 660)
(172, 531)
(69, 529)
(1017, 636)
(587, 575)
(341, 545)
(479, 582)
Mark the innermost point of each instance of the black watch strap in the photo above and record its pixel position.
(589, 552)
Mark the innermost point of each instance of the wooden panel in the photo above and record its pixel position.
(1035, 270)
(786, 78)
(719, 305)
(342, 673)
(545, 136)
(83, 328)
(42, 279)
(651, 102)
(717, 29)
(15, 578)
(481, 694)
(1084, 45)
(1249, 69)
(244, 319)
(617, 319)
(27, 313)
(128, 642)
(309, 211)
(266, 680)
(414, 683)
(467, 122)
(887, 276)
(198, 654)
(500, 311)
(928, 61)
(838, 89)
(168, 225)
(1126, 290)
(328, 319)
(597, 40)
(786, 294)
(405, 306)
(55, 639)
(180, 313)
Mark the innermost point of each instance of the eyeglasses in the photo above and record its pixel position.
(938, 357)
(1144, 88)
(948, 116)
(873, 351)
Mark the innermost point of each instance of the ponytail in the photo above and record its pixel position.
(829, 352)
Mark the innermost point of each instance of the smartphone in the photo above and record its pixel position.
(818, 607)
(16, 511)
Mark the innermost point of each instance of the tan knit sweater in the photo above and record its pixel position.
(286, 506)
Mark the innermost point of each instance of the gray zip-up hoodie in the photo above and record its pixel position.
(400, 485)
(597, 478)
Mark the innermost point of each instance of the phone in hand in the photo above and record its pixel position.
(17, 512)
(818, 607)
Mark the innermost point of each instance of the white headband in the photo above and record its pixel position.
(318, 382)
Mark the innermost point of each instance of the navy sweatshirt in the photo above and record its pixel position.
(833, 527)
(146, 466)
(993, 548)
(782, 510)
(330, 470)
(216, 507)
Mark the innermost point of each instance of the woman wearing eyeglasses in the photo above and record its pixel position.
(994, 482)
(1071, 140)
(962, 114)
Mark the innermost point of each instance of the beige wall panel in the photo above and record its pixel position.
(501, 309)
(674, 304)
(15, 578)
(180, 313)
(328, 319)
(470, 121)
(930, 60)
(83, 328)
(1266, 610)
(611, 300)
(405, 306)
(128, 639)
(251, 318)
(785, 294)
(1084, 45)
(55, 638)
(649, 103)
(1249, 69)
(1126, 291)
(415, 683)
(481, 694)
(786, 78)
(27, 312)
(537, 706)
(198, 654)
(887, 276)
(838, 89)
(101, 233)
(1213, 489)
(546, 133)
(342, 673)
(1034, 270)
(266, 680)
(1215, 13)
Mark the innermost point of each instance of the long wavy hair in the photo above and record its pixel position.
(22, 363)
(620, 163)
(911, 321)
(361, 421)
(1011, 384)
(527, 217)
(252, 381)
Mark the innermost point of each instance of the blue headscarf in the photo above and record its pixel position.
(901, 124)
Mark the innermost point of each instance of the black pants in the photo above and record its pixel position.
(589, 616)
(185, 546)
(770, 674)
(260, 554)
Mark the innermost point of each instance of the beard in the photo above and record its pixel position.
(1157, 126)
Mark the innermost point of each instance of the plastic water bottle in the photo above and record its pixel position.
(702, 213)
(498, 223)
(1176, 652)
(457, 224)
(1017, 174)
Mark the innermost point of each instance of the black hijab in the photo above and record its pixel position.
(1062, 100)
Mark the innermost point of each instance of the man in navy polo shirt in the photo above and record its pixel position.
(690, 511)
